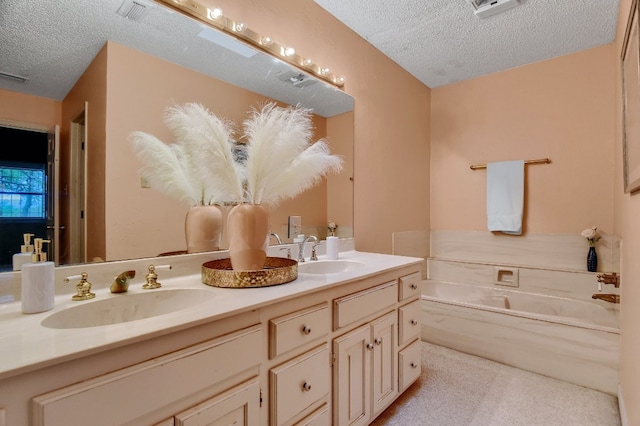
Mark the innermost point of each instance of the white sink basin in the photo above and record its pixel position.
(126, 307)
(329, 266)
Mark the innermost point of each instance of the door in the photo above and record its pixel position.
(78, 188)
(53, 195)
(384, 366)
(352, 375)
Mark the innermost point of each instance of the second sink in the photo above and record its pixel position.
(125, 308)
(329, 266)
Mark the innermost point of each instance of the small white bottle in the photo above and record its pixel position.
(332, 247)
(38, 281)
(26, 250)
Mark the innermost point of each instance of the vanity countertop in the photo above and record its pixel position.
(26, 345)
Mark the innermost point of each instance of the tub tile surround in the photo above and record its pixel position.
(547, 265)
(549, 251)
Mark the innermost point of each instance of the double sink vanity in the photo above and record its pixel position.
(335, 346)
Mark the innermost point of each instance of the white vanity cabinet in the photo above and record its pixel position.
(321, 351)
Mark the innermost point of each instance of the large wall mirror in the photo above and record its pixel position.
(113, 67)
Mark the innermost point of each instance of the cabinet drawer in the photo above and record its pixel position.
(409, 320)
(320, 417)
(290, 331)
(299, 383)
(360, 305)
(409, 364)
(409, 286)
(237, 406)
(143, 388)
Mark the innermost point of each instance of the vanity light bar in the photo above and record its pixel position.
(215, 18)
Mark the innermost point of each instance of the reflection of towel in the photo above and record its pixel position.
(505, 196)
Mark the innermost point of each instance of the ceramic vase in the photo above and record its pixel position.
(248, 230)
(592, 260)
(203, 228)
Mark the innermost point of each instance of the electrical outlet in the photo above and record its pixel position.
(295, 226)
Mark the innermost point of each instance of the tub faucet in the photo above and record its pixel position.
(121, 282)
(612, 278)
(611, 298)
(301, 247)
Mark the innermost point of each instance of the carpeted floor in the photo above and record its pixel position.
(456, 389)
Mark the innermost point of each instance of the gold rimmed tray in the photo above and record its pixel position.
(276, 271)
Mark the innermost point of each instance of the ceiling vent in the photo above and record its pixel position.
(486, 8)
(13, 77)
(296, 78)
(132, 9)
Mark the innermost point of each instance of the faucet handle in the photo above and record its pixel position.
(288, 251)
(314, 255)
(152, 277)
(83, 288)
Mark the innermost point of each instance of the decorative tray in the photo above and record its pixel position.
(277, 270)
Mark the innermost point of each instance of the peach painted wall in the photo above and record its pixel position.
(627, 211)
(391, 118)
(562, 109)
(90, 88)
(29, 111)
(142, 222)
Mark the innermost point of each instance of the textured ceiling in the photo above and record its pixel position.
(52, 42)
(442, 41)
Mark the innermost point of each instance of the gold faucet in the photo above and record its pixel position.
(151, 278)
(611, 298)
(121, 282)
(83, 288)
(612, 278)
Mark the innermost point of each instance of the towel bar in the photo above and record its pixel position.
(539, 161)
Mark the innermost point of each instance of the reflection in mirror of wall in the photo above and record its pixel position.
(127, 79)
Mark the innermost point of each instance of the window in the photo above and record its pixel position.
(22, 191)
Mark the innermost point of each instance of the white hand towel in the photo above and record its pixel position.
(505, 196)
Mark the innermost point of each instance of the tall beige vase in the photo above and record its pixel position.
(248, 230)
(203, 228)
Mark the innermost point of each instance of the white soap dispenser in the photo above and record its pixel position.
(38, 281)
(26, 250)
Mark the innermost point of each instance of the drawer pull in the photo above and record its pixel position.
(413, 365)
(369, 346)
(306, 329)
(306, 387)
(414, 322)
(414, 286)
(378, 341)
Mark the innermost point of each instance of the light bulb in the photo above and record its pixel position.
(340, 79)
(307, 62)
(214, 13)
(289, 51)
(325, 71)
(239, 27)
(266, 41)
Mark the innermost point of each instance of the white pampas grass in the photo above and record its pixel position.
(162, 168)
(200, 167)
(281, 163)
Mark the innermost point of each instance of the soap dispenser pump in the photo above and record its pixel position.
(38, 281)
(26, 250)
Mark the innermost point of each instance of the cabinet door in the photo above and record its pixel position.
(384, 367)
(352, 377)
(237, 406)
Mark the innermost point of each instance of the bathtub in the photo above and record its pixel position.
(572, 340)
